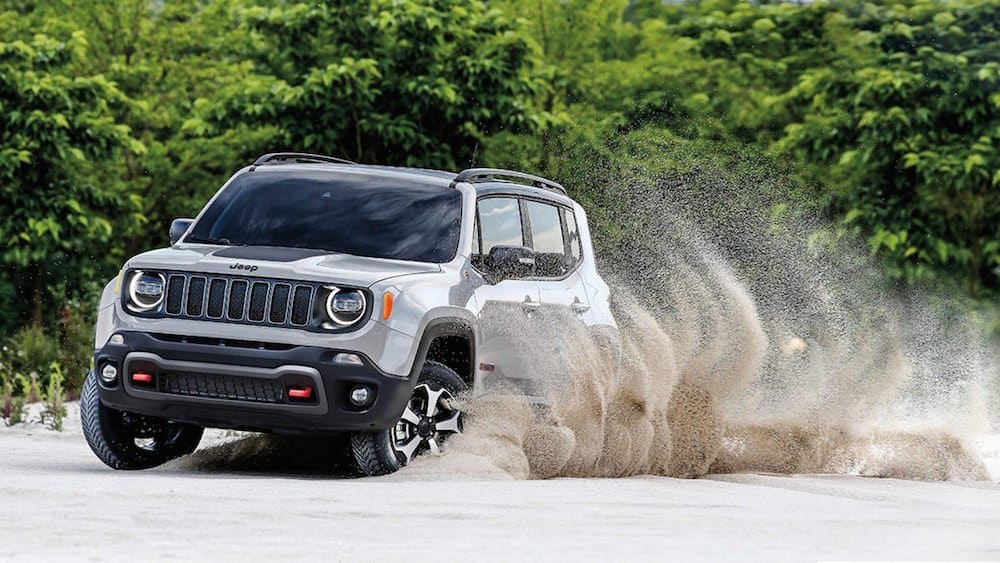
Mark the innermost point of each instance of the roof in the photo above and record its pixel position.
(484, 182)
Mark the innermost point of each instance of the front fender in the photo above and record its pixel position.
(106, 313)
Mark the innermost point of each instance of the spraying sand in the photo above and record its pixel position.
(744, 348)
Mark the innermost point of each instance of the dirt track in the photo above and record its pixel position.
(58, 502)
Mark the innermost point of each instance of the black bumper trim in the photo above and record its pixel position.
(332, 412)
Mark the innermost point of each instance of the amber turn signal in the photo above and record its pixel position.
(386, 305)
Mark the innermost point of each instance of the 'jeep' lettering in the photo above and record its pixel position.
(245, 267)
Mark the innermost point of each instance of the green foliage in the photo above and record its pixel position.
(33, 349)
(907, 125)
(411, 83)
(51, 122)
(54, 411)
(13, 389)
(34, 364)
(16, 388)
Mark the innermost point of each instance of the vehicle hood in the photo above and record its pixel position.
(284, 263)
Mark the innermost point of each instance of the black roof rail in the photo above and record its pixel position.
(300, 157)
(480, 175)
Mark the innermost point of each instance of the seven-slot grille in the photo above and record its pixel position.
(209, 297)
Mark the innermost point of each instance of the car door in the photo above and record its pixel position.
(565, 305)
(506, 307)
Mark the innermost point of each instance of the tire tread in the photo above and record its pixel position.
(372, 450)
(118, 455)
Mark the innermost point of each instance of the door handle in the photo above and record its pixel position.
(579, 307)
(528, 305)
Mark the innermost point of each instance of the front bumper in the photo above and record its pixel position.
(243, 385)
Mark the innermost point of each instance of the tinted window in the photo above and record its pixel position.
(500, 223)
(546, 230)
(361, 216)
(572, 235)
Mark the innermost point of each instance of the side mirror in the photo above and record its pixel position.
(510, 262)
(177, 229)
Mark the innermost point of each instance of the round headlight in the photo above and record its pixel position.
(345, 306)
(145, 291)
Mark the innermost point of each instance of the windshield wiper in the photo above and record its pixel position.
(208, 240)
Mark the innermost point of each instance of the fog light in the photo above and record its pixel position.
(360, 395)
(116, 339)
(348, 359)
(109, 373)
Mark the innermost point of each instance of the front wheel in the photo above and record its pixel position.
(125, 440)
(428, 419)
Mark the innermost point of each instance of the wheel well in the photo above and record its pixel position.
(454, 351)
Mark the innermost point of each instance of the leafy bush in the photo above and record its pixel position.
(35, 365)
(77, 342)
(14, 388)
(32, 350)
(54, 411)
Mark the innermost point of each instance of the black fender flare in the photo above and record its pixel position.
(444, 326)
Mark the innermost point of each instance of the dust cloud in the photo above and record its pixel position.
(753, 339)
(648, 410)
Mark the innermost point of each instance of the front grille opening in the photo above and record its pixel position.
(224, 342)
(196, 296)
(175, 295)
(279, 303)
(237, 300)
(300, 304)
(258, 301)
(216, 298)
(231, 387)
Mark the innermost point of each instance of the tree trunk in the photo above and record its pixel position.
(36, 296)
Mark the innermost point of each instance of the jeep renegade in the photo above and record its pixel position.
(313, 295)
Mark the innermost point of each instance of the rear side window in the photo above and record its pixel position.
(548, 240)
(546, 230)
(499, 223)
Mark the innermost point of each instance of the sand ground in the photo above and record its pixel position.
(58, 502)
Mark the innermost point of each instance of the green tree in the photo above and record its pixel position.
(392, 82)
(909, 132)
(53, 125)
(163, 57)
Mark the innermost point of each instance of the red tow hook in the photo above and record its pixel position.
(300, 392)
(142, 377)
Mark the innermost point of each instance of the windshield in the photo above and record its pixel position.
(363, 216)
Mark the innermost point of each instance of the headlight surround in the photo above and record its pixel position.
(146, 291)
(345, 307)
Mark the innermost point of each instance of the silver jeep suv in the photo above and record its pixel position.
(313, 295)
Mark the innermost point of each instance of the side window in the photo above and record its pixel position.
(572, 237)
(547, 240)
(499, 223)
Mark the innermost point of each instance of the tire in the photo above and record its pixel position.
(379, 453)
(112, 434)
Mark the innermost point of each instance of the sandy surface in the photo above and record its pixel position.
(57, 501)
